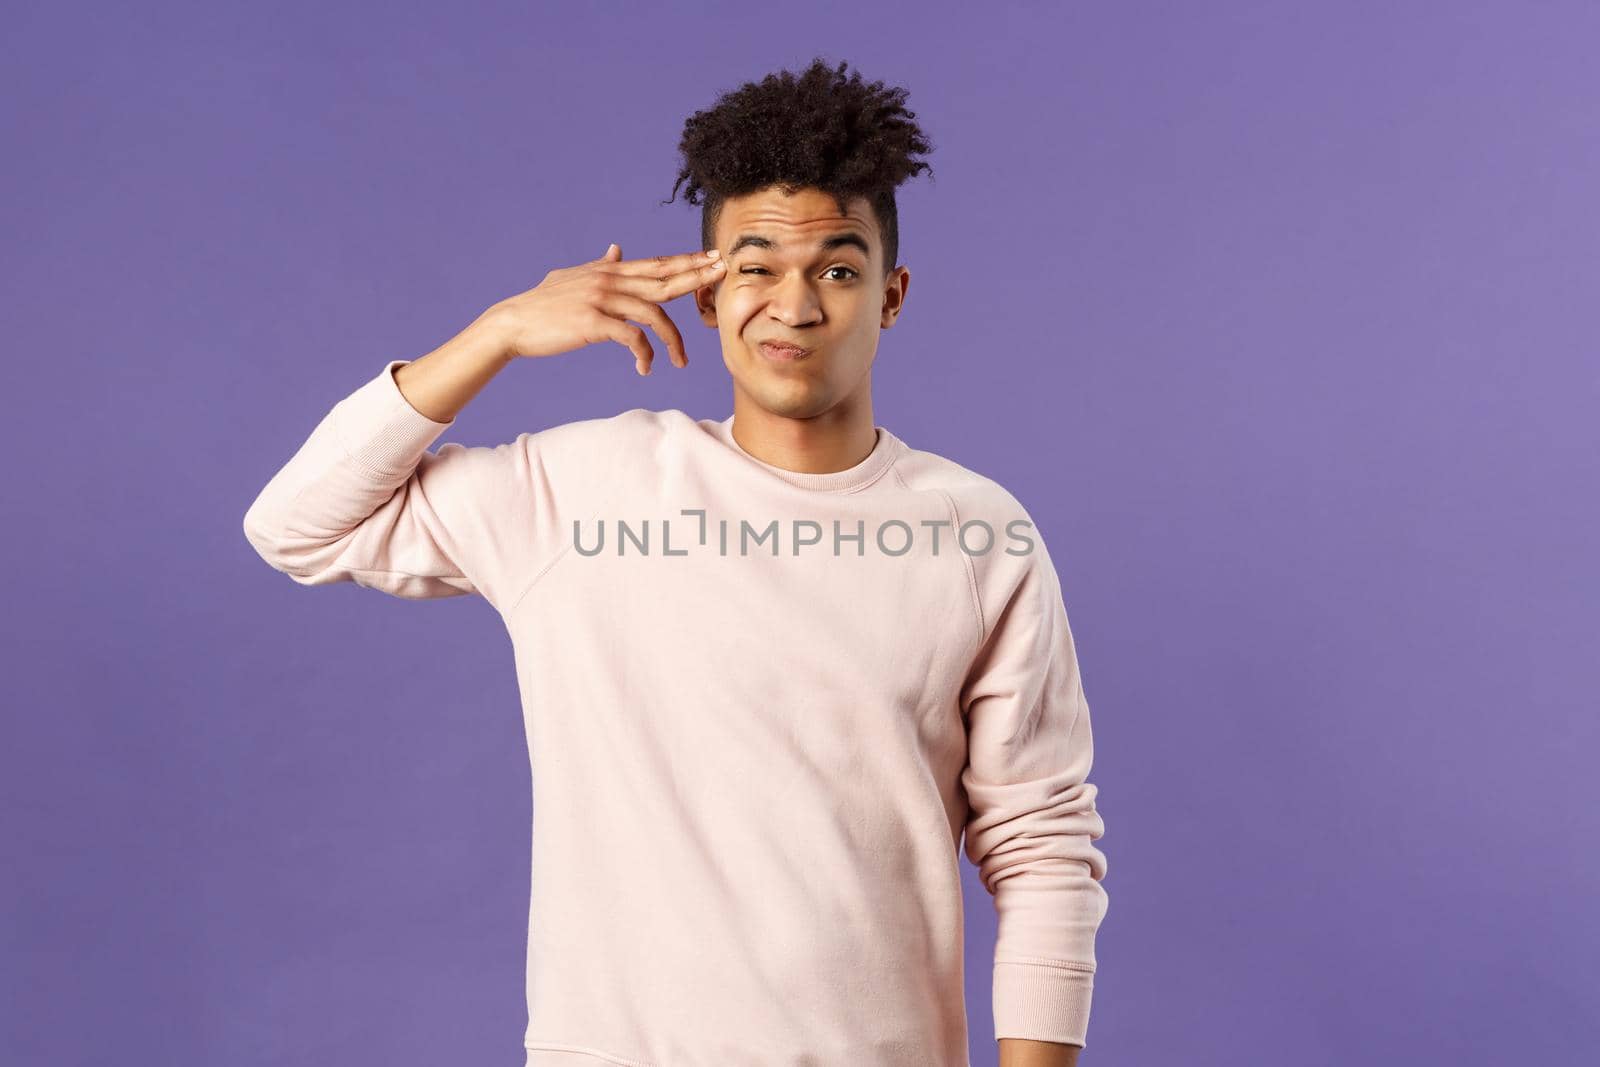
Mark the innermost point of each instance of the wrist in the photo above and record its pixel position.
(488, 337)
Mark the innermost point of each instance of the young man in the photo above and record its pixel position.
(772, 667)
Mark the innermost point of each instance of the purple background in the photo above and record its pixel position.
(1280, 320)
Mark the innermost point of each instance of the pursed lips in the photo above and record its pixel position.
(779, 350)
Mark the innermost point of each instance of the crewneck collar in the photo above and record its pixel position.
(883, 454)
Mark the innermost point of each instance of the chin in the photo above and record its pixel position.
(790, 400)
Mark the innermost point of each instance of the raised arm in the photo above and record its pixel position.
(363, 500)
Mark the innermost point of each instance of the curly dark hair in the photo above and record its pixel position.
(816, 129)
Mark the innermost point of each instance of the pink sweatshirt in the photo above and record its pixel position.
(762, 707)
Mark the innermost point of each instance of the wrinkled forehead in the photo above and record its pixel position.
(796, 223)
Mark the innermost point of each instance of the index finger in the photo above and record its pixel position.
(665, 266)
(664, 287)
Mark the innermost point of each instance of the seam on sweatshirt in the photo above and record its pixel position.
(411, 574)
(542, 571)
(304, 571)
(1038, 961)
(892, 467)
(557, 558)
(584, 1050)
(966, 561)
(344, 445)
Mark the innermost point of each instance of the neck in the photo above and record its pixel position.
(833, 441)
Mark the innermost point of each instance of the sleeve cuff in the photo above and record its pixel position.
(379, 428)
(1042, 1002)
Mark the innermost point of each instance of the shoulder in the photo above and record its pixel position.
(604, 434)
(995, 532)
(601, 448)
(975, 497)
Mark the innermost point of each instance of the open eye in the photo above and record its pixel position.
(849, 270)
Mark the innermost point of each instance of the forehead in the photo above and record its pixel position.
(795, 222)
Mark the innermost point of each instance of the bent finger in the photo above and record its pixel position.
(624, 306)
(628, 336)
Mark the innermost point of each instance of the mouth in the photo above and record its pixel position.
(782, 353)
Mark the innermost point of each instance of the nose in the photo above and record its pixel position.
(793, 302)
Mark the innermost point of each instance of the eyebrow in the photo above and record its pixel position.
(827, 244)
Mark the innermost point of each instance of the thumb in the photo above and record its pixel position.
(609, 249)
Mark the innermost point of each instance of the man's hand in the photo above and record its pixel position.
(589, 303)
(1018, 1052)
(572, 307)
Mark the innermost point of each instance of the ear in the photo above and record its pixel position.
(705, 302)
(894, 296)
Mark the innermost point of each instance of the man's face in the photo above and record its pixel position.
(783, 285)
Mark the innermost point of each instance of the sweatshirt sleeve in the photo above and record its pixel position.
(1032, 814)
(364, 501)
